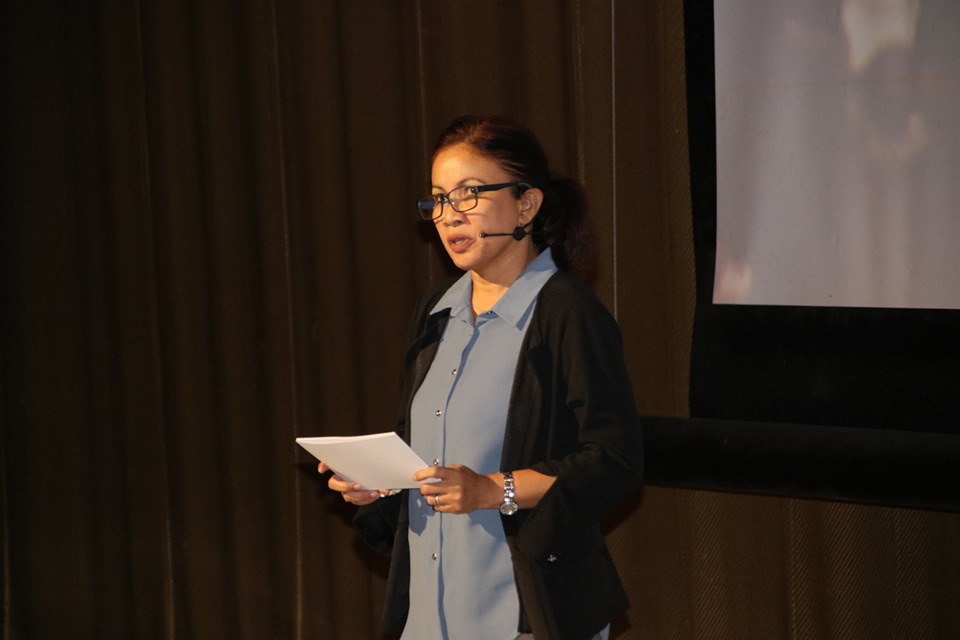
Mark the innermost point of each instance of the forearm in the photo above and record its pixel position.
(529, 486)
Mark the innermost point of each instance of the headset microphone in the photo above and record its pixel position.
(517, 234)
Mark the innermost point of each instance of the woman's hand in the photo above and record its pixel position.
(459, 489)
(352, 492)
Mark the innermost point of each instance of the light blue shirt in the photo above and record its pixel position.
(461, 579)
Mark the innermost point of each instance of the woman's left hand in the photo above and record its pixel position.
(459, 489)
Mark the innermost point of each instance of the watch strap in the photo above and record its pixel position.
(509, 505)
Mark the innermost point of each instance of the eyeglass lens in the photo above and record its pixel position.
(462, 199)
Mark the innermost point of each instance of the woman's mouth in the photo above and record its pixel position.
(459, 243)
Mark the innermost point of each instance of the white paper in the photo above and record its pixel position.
(378, 461)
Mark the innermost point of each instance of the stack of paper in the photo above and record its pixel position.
(378, 461)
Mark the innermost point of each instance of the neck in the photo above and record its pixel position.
(489, 286)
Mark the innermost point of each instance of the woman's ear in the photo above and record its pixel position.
(529, 203)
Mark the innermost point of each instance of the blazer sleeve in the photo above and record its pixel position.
(377, 523)
(586, 421)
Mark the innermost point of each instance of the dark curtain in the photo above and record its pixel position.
(208, 247)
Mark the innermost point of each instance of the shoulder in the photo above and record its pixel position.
(436, 291)
(569, 315)
(565, 295)
(432, 295)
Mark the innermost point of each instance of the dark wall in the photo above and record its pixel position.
(208, 247)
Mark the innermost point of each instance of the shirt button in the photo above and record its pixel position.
(551, 558)
(454, 372)
(438, 412)
(434, 556)
(436, 462)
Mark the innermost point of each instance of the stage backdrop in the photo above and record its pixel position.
(208, 247)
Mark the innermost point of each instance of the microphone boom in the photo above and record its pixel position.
(517, 234)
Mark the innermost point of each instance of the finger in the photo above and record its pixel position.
(339, 484)
(430, 472)
(361, 498)
(430, 489)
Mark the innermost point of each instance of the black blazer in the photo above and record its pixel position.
(571, 415)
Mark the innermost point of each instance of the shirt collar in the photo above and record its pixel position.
(517, 300)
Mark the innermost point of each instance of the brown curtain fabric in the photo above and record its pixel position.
(208, 247)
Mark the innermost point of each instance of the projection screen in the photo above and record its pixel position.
(838, 153)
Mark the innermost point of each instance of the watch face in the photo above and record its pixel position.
(509, 508)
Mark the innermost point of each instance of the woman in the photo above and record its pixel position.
(516, 389)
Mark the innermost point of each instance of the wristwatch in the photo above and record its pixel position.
(509, 506)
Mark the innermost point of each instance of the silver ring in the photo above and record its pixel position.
(436, 500)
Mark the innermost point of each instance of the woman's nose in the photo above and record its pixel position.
(451, 217)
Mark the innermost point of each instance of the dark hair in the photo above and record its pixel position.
(562, 222)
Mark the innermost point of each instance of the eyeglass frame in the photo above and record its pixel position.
(444, 198)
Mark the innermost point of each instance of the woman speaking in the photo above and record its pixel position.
(516, 389)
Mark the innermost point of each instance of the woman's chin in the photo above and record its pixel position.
(461, 261)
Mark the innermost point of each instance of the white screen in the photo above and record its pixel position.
(838, 152)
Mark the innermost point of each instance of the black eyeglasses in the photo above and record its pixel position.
(461, 199)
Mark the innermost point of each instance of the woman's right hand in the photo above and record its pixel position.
(351, 492)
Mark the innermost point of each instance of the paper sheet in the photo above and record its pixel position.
(378, 461)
